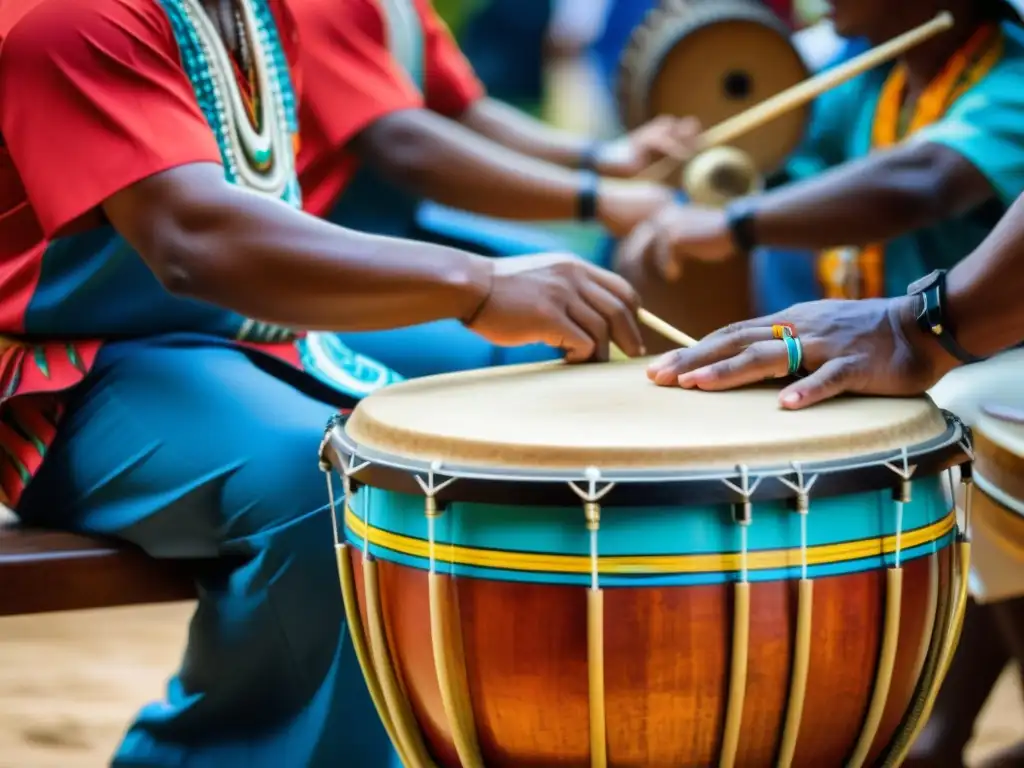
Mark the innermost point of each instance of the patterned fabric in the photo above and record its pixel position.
(71, 281)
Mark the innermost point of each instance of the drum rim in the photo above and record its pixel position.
(631, 486)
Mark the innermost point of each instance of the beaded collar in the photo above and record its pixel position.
(260, 158)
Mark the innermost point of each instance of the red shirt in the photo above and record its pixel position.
(351, 79)
(93, 98)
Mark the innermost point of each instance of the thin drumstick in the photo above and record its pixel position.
(802, 93)
(659, 326)
(662, 328)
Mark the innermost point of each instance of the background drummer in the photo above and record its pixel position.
(881, 347)
(905, 169)
(393, 113)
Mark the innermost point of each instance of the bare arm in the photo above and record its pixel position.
(440, 159)
(985, 292)
(209, 240)
(206, 239)
(518, 131)
(872, 200)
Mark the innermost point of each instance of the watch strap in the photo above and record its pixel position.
(932, 318)
(586, 197)
(740, 219)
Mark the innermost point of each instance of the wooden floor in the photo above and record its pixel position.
(70, 682)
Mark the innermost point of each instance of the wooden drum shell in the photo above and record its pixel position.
(501, 623)
(526, 663)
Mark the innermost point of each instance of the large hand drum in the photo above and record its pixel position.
(975, 393)
(568, 566)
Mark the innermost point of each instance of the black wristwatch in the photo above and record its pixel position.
(932, 317)
(739, 216)
(586, 197)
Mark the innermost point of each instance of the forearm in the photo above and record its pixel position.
(441, 160)
(270, 262)
(515, 130)
(985, 292)
(871, 200)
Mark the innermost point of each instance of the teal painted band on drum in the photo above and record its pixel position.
(653, 531)
(665, 580)
(794, 352)
(642, 546)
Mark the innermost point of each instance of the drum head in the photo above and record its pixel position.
(712, 59)
(555, 416)
(967, 390)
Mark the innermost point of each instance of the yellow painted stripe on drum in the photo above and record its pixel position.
(625, 565)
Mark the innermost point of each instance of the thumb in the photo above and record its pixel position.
(668, 263)
(833, 378)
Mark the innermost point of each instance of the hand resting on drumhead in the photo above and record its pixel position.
(876, 346)
(871, 346)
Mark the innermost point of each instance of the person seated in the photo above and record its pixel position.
(159, 385)
(393, 114)
(906, 167)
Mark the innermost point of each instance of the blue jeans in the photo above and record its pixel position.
(192, 448)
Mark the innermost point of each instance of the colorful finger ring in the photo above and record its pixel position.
(795, 354)
(782, 330)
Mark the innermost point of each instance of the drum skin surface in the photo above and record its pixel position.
(519, 576)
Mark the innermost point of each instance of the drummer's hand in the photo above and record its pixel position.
(663, 136)
(675, 233)
(562, 301)
(871, 346)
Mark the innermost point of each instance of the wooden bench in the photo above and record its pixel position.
(43, 571)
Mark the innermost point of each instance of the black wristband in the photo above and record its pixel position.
(932, 317)
(739, 217)
(588, 157)
(586, 197)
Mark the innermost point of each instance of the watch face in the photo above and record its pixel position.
(926, 282)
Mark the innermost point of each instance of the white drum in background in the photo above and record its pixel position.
(997, 574)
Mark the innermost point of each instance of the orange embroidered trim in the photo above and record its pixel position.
(850, 273)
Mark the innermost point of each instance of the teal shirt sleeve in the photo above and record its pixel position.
(986, 126)
(824, 145)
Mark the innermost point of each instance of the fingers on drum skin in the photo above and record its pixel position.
(594, 326)
(721, 345)
(761, 360)
(835, 377)
(624, 329)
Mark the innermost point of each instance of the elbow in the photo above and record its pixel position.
(403, 148)
(181, 257)
(932, 183)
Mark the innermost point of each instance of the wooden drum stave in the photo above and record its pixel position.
(536, 577)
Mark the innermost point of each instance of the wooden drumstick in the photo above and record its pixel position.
(802, 93)
(660, 327)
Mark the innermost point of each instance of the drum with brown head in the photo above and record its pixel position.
(568, 566)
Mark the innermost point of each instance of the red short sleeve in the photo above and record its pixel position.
(350, 79)
(93, 99)
(451, 84)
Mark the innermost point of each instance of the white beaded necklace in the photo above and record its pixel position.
(262, 157)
